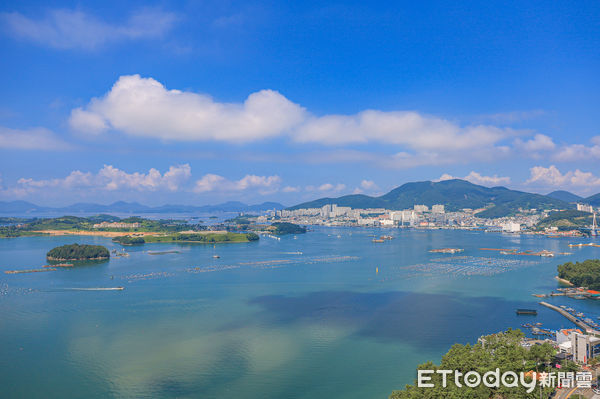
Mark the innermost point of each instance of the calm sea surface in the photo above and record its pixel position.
(327, 314)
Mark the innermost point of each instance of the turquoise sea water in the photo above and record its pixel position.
(263, 320)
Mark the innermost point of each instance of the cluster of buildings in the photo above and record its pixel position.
(422, 216)
(585, 208)
(116, 225)
(574, 345)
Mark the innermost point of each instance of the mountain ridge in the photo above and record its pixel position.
(19, 206)
(564, 196)
(455, 194)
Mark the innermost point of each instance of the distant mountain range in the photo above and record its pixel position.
(564, 196)
(24, 207)
(454, 194)
(593, 200)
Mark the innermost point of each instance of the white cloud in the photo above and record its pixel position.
(31, 139)
(290, 189)
(577, 152)
(69, 29)
(478, 178)
(446, 176)
(331, 187)
(368, 185)
(144, 107)
(551, 176)
(110, 178)
(87, 122)
(540, 142)
(212, 182)
(407, 128)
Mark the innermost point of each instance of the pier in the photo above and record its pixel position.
(578, 322)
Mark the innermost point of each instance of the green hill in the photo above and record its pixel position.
(566, 220)
(78, 252)
(455, 194)
(594, 200)
(564, 196)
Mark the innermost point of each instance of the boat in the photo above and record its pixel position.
(216, 256)
(527, 312)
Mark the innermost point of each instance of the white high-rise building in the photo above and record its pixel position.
(437, 208)
(421, 208)
(585, 208)
(511, 227)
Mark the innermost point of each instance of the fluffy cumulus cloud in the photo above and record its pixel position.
(69, 29)
(478, 178)
(553, 177)
(111, 179)
(368, 185)
(31, 139)
(144, 107)
(579, 152)
(291, 189)
(212, 182)
(327, 187)
(407, 128)
(540, 142)
(177, 179)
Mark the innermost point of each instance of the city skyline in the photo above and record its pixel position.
(190, 104)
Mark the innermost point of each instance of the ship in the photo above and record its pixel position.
(527, 312)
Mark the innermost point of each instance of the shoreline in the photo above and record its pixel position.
(119, 233)
(562, 280)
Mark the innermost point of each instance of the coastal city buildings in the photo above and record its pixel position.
(116, 225)
(585, 208)
(421, 216)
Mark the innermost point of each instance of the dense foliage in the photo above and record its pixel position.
(129, 240)
(502, 351)
(206, 238)
(582, 274)
(566, 220)
(15, 231)
(454, 194)
(78, 252)
(287, 228)
(87, 224)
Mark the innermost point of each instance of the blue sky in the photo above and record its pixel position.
(202, 102)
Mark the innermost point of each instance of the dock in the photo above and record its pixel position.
(578, 322)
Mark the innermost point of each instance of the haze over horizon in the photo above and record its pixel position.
(185, 103)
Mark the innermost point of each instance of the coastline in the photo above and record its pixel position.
(95, 233)
(562, 280)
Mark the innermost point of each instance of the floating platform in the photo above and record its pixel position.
(532, 312)
(447, 250)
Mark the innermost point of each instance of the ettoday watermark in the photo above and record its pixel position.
(508, 379)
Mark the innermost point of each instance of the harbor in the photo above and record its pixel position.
(586, 324)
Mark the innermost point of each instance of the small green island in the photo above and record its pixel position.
(202, 238)
(581, 274)
(78, 252)
(282, 228)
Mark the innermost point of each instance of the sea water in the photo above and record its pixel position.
(325, 314)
